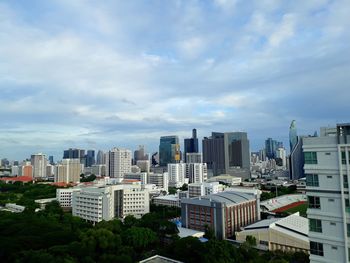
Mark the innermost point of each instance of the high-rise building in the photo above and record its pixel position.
(100, 158)
(194, 158)
(39, 162)
(293, 136)
(51, 160)
(327, 169)
(68, 171)
(140, 155)
(74, 154)
(191, 144)
(118, 162)
(90, 158)
(169, 150)
(270, 148)
(155, 158)
(161, 180)
(281, 154)
(177, 174)
(224, 152)
(196, 172)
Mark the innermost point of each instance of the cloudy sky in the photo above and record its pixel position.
(99, 74)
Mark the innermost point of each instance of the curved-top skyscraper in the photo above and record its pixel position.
(293, 137)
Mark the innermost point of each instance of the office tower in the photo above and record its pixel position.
(293, 137)
(118, 162)
(155, 158)
(51, 160)
(224, 152)
(100, 158)
(169, 150)
(38, 162)
(194, 158)
(270, 148)
(297, 160)
(68, 171)
(177, 174)
(191, 144)
(90, 158)
(74, 154)
(139, 155)
(327, 169)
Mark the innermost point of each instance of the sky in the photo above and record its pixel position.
(104, 74)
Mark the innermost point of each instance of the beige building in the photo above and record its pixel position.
(68, 171)
(287, 234)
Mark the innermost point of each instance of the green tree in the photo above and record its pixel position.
(139, 238)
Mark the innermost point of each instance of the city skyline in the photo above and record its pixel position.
(99, 75)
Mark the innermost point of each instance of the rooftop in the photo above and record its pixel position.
(281, 201)
(228, 198)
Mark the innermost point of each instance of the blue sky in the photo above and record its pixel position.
(99, 74)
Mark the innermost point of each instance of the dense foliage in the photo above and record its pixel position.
(25, 194)
(54, 236)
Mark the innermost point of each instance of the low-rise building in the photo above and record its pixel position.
(167, 200)
(287, 234)
(200, 189)
(224, 212)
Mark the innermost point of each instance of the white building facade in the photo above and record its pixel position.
(118, 162)
(327, 169)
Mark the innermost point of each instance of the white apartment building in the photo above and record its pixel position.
(201, 189)
(281, 153)
(196, 172)
(327, 169)
(177, 174)
(161, 180)
(118, 162)
(39, 162)
(68, 171)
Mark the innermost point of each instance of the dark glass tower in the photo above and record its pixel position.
(169, 150)
(191, 144)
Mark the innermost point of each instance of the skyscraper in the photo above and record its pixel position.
(270, 148)
(118, 162)
(100, 158)
(74, 154)
(293, 137)
(327, 166)
(139, 155)
(68, 171)
(169, 150)
(39, 162)
(224, 152)
(191, 144)
(90, 158)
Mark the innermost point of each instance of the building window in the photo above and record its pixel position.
(312, 180)
(315, 225)
(343, 157)
(332, 223)
(347, 205)
(314, 202)
(316, 248)
(329, 176)
(330, 200)
(348, 229)
(345, 181)
(310, 157)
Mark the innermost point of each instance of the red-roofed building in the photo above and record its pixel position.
(23, 179)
